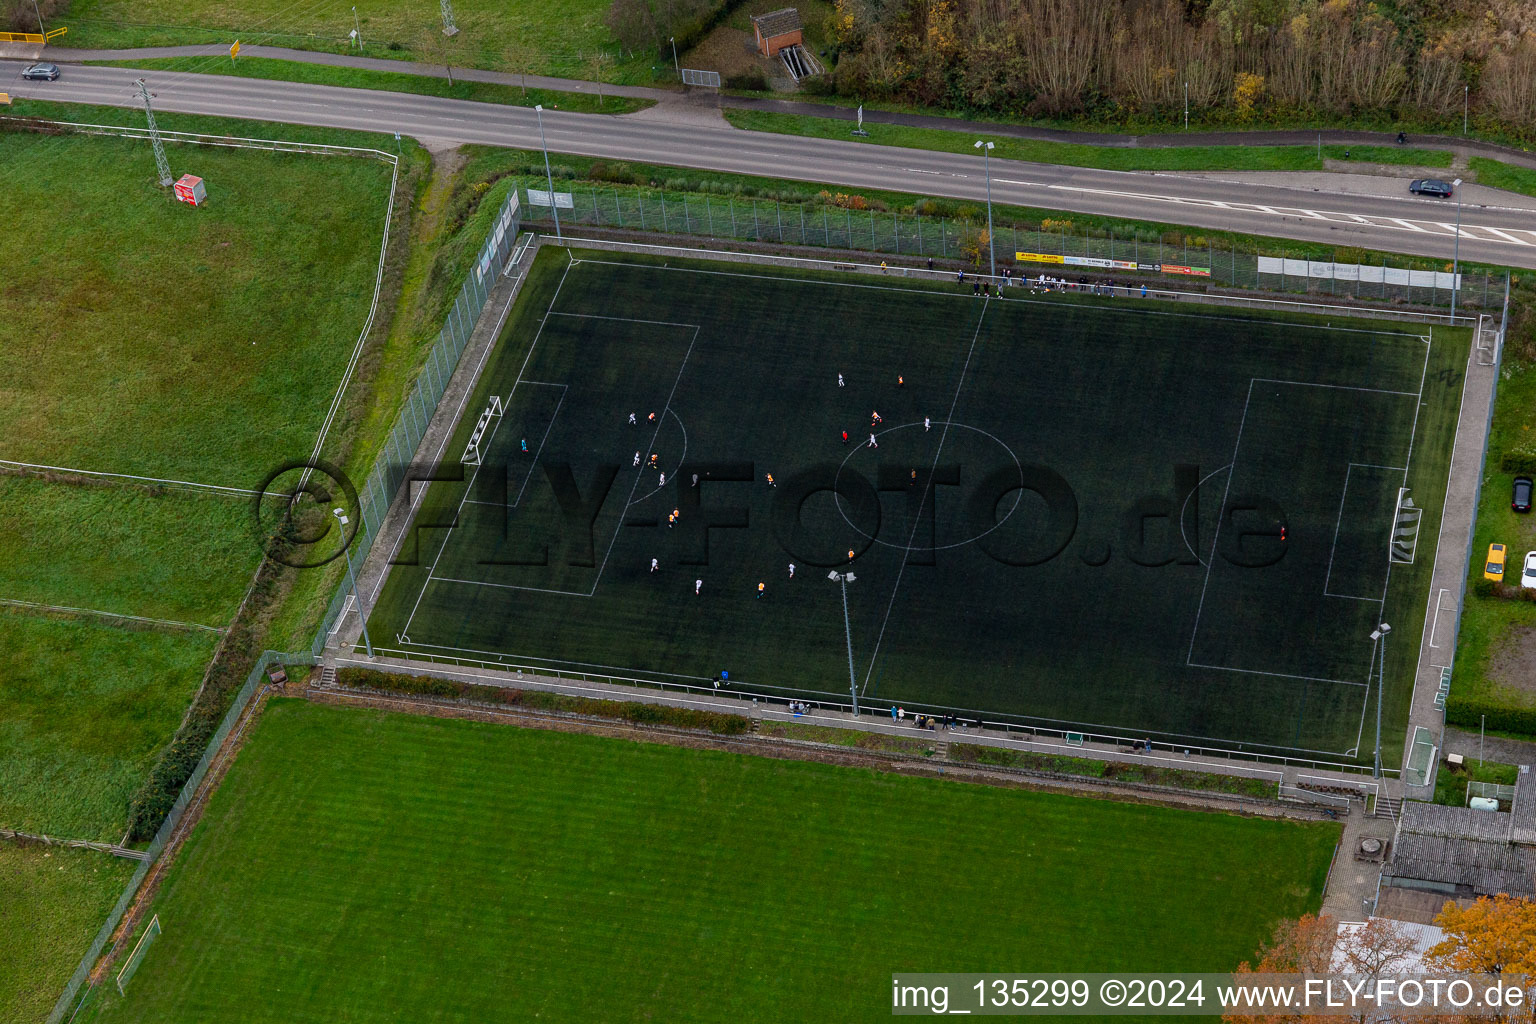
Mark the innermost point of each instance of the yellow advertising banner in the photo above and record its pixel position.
(1039, 257)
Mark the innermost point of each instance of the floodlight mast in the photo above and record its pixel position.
(1379, 639)
(846, 578)
(986, 163)
(161, 164)
(357, 598)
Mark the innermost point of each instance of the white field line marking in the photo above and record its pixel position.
(1277, 675)
(565, 389)
(917, 521)
(630, 501)
(1338, 387)
(1338, 524)
(470, 486)
(415, 499)
(666, 408)
(1216, 538)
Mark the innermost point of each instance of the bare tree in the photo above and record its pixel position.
(1509, 82)
(1064, 45)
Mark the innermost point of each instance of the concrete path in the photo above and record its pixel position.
(846, 113)
(1352, 883)
(1437, 645)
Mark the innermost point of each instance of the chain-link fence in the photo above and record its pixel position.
(1193, 257)
(411, 425)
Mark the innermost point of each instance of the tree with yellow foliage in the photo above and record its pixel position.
(1495, 935)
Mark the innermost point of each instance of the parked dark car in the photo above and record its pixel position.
(45, 71)
(1520, 501)
(1430, 187)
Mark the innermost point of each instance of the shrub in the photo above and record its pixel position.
(1521, 460)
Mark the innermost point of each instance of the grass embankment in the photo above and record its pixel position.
(1118, 158)
(551, 37)
(52, 900)
(390, 81)
(571, 876)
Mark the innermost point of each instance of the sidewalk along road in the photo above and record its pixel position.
(1491, 233)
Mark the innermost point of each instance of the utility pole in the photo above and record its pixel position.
(449, 28)
(1466, 101)
(846, 578)
(161, 164)
(44, 31)
(357, 29)
(538, 112)
(1186, 104)
(1379, 637)
(341, 517)
(1456, 258)
(675, 65)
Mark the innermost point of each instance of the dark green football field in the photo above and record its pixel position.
(1085, 532)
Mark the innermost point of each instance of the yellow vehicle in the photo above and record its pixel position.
(1493, 569)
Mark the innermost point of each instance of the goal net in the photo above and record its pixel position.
(137, 956)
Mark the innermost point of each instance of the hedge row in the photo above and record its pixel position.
(539, 700)
(1519, 460)
(1468, 713)
(1486, 588)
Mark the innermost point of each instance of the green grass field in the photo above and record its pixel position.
(390, 81)
(84, 711)
(553, 36)
(142, 336)
(369, 867)
(52, 901)
(1498, 636)
(213, 337)
(181, 555)
(1117, 158)
(959, 603)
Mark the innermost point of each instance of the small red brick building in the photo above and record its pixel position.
(777, 30)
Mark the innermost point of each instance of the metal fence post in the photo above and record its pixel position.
(778, 219)
(757, 234)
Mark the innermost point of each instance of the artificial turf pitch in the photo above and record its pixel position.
(364, 866)
(1099, 547)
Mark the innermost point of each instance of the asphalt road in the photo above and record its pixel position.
(1490, 233)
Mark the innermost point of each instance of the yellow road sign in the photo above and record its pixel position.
(234, 50)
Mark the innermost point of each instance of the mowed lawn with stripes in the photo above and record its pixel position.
(367, 866)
